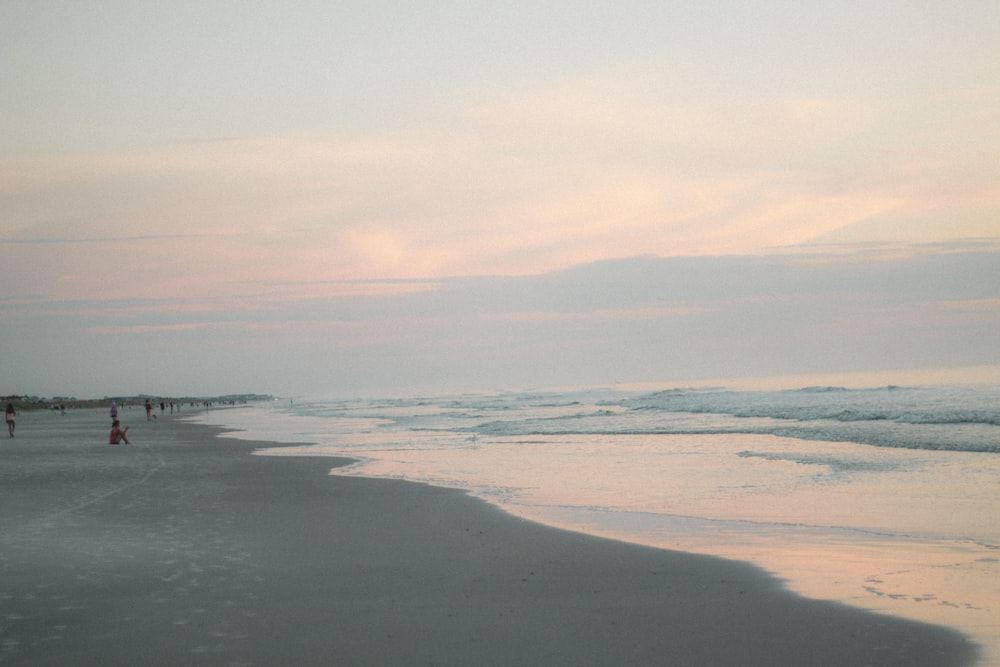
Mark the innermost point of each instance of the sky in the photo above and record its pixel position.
(360, 198)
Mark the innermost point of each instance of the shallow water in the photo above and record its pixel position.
(907, 531)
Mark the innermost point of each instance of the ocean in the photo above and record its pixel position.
(885, 498)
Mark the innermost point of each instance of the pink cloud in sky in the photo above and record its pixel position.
(589, 170)
(149, 328)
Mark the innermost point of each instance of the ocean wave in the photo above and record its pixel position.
(810, 404)
(910, 418)
(932, 418)
(946, 441)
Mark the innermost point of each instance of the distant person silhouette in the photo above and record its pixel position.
(11, 413)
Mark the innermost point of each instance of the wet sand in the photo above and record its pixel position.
(186, 549)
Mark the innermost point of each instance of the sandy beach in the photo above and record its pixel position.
(183, 548)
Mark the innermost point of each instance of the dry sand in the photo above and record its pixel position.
(185, 549)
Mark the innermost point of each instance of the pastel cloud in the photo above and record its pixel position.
(604, 166)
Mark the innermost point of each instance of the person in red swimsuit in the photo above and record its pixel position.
(118, 434)
(11, 414)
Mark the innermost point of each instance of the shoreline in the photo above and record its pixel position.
(187, 548)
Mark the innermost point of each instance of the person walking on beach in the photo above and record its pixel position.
(114, 411)
(11, 413)
(149, 410)
(118, 434)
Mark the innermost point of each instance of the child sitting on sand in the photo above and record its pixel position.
(118, 434)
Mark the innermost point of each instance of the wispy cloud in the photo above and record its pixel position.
(77, 241)
(154, 328)
(601, 166)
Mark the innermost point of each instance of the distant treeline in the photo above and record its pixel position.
(36, 402)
